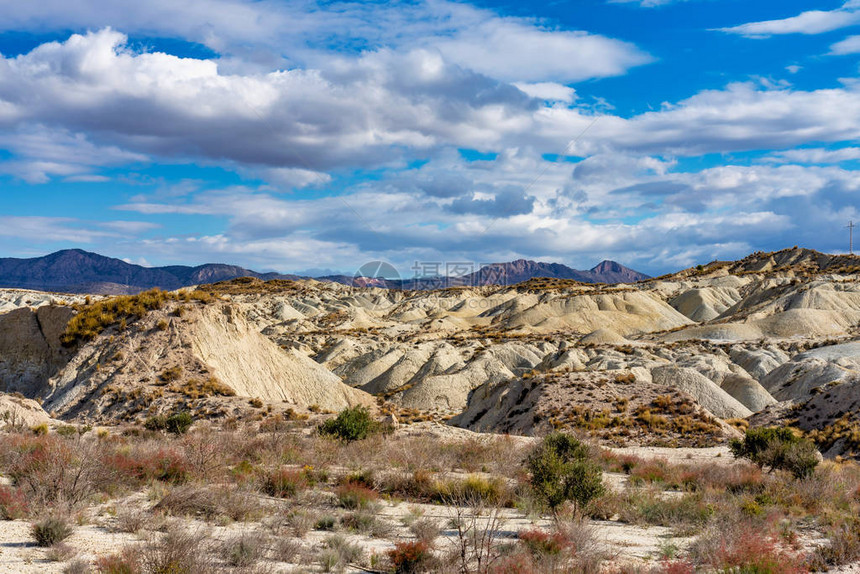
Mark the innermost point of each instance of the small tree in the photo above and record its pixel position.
(351, 424)
(176, 423)
(561, 469)
(777, 448)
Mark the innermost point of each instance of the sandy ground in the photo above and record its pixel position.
(715, 455)
(19, 554)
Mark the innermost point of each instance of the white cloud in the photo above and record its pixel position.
(259, 33)
(509, 50)
(41, 153)
(381, 109)
(850, 45)
(408, 215)
(39, 230)
(810, 22)
(549, 91)
(815, 155)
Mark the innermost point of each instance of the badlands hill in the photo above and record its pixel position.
(685, 359)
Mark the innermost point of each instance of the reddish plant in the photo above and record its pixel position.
(124, 563)
(758, 552)
(541, 543)
(652, 471)
(13, 504)
(165, 464)
(410, 557)
(677, 567)
(354, 496)
(515, 563)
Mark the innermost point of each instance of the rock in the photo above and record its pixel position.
(706, 393)
(603, 337)
(748, 392)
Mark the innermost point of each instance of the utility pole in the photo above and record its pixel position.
(851, 227)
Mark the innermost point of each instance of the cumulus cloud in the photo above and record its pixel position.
(41, 153)
(401, 102)
(850, 45)
(278, 33)
(511, 51)
(549, 91)
(627, 207)
(810, 22)
(379, 109)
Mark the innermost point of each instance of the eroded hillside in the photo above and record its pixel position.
(666, 361)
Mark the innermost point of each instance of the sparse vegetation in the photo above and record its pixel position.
(562, 470)
(351, 424)
(175, 423)
(777, 448)
(51, 530)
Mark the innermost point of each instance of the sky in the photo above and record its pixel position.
(312, 137)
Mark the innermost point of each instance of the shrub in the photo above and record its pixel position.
(130, 520)
(125, 562)
(341, 552)
(515, 563)
(425, 530)
(244, 550)
(165, 464)
(67, 431)
(360, 521)
(81, 566)
(561, 470)
(51, 530)
(353, 496)
(178, 552)
(326, 523)
(283, 483)
(176, 423)
(350, 425)
(541, 543)
(49, 469)
(410, 557)
(843, 547)
(60, 552)
(777, 448)
(745, 547)
(13, 504)
(94, 318)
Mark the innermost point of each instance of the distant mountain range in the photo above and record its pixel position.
(78, 271)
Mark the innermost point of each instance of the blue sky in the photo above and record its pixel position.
(297, 136)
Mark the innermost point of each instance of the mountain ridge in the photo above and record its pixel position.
(80, 271)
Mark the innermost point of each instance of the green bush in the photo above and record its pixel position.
(350, 425)
(562, 470)
(777, 448)
(177, 423)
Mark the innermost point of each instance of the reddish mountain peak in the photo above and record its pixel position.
(607, 266)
